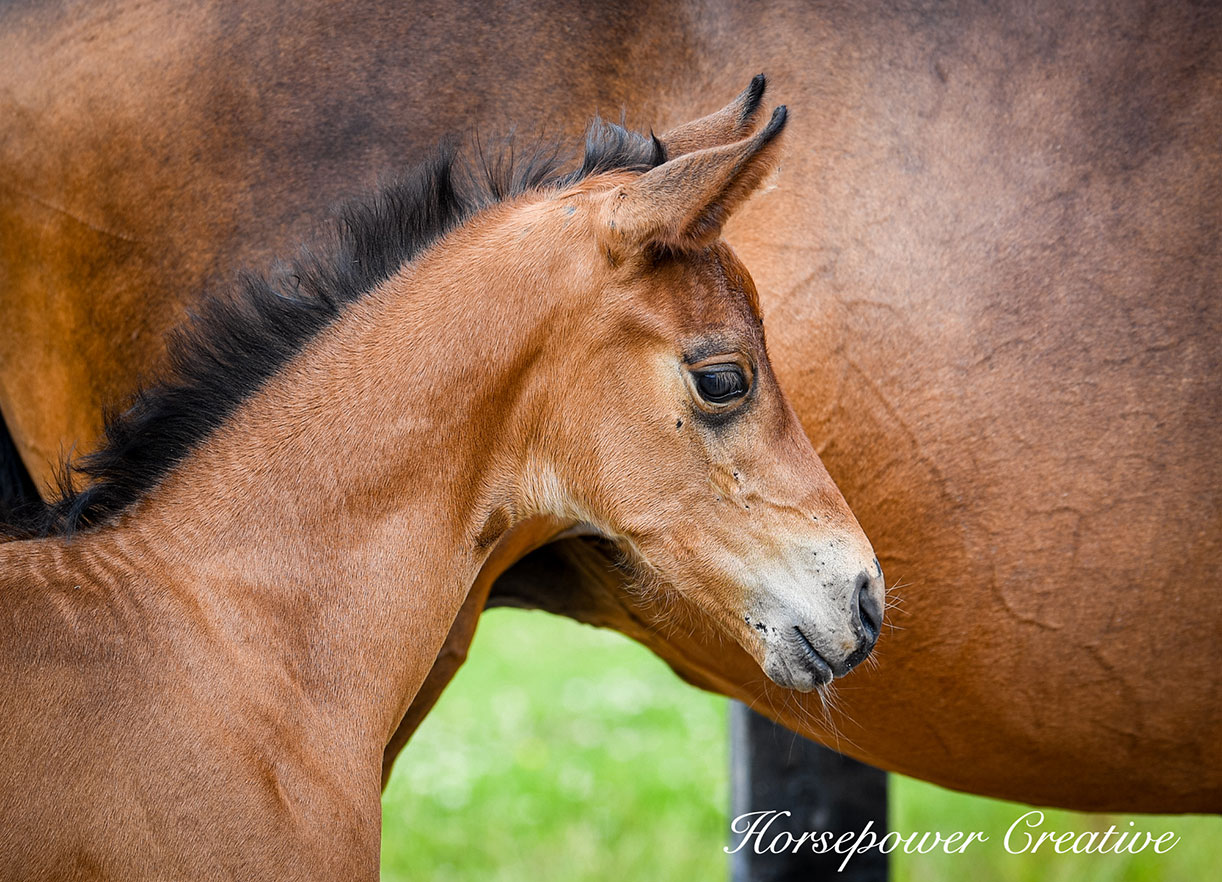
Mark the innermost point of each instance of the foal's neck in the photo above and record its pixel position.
(338, 520)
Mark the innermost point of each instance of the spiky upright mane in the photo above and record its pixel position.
(236, 343)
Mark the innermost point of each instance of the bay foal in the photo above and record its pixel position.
(206, 651)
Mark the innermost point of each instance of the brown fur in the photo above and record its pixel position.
(204, 685)
(988, 274)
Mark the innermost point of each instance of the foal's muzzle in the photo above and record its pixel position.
(804, 655)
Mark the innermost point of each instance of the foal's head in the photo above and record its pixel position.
(661, 424)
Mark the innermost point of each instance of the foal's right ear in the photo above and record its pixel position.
(682, 204)
(733, 122)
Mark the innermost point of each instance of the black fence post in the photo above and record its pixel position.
(772, 769)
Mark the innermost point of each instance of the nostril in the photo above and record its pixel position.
(868, 612)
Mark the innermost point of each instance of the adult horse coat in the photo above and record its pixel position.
(989, 275)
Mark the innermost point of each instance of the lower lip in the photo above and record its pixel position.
(818, 665)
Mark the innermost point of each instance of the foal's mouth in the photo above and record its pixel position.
(819, 667)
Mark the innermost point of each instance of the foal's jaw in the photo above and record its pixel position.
(788, 575)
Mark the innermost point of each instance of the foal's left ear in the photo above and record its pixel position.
(682, 205)
(734, 121)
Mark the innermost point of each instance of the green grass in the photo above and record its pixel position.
(560, 753)
(567, 753)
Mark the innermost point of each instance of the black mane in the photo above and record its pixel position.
(235, 344)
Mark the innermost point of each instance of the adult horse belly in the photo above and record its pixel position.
(1049, 515)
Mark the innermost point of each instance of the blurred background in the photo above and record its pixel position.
(562, 753)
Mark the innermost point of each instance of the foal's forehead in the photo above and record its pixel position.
(712, 286)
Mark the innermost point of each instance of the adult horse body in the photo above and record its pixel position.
(990, 282)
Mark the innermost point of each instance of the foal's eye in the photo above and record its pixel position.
(720, 384)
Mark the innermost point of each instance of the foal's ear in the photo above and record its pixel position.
(734, 121)
(682, 204)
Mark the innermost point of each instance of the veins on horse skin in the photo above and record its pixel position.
(50, 206)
